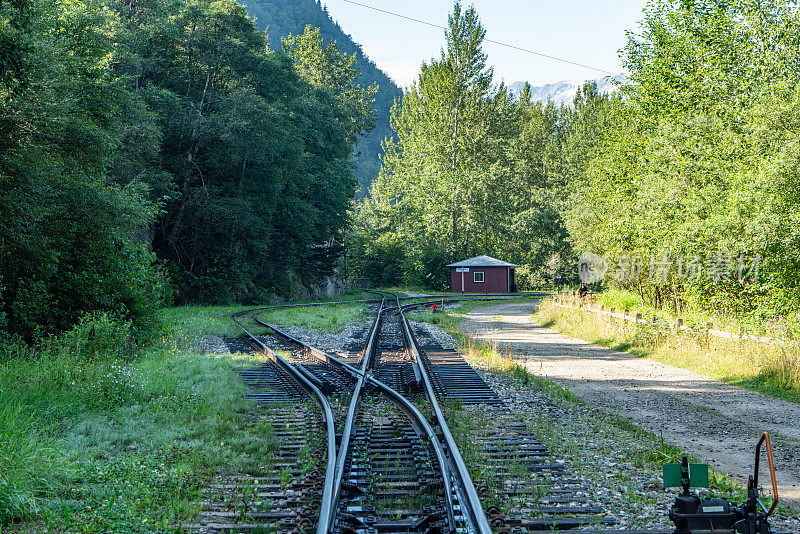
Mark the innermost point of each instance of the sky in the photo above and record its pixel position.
(584, 31)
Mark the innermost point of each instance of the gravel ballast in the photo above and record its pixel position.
(615, 461)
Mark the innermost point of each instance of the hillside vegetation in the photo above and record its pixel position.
(281, 18)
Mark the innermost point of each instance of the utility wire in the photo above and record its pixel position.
(562, 60)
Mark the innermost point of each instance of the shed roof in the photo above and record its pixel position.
(482, 261)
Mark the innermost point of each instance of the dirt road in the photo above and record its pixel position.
(715, 421)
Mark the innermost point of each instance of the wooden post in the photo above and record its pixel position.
(611, 315)
(679, 323)
(741, 332)
(709, 326)
(638, 317)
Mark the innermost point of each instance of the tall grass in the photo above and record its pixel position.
(771, 368)
(621, 300)
(97, 435)
(28, 460)
(778, 327)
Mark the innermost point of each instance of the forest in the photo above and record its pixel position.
(684, 184)
(160, 152)
(177, 151)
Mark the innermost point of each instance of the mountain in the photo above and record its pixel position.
(279, 18)
(563, 92)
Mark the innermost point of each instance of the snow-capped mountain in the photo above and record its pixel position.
(562, 92)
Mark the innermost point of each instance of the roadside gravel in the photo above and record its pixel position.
(694, 412)
(607, 460)
(441, 337)
(212, 345)
(618, 465)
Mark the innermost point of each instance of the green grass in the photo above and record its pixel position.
(216, 320)
(327, 318)
(27, 459)
(198, 320)
(101, 435)
(97, 437)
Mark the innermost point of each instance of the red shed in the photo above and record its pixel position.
(482, 274)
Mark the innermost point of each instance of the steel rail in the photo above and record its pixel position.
(335, 475)
(418, 421)
(323, 526)
(341, 458)
(474, 506)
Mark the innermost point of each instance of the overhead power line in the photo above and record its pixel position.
(521, 49)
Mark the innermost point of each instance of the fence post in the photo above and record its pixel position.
(741, 332)
(709, 326)
(638, 318)
(679, 324)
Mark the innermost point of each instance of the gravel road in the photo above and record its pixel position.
(717, 422)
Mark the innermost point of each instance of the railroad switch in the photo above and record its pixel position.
(693, 515)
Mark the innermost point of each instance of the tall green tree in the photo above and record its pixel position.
(442, 130)
(325, 67)
(281, 18)
(695, 163)
(69, 239)
(252, 160)
(465, 174)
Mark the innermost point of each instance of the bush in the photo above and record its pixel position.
(98, 336)
(383, 261)
(620, 299)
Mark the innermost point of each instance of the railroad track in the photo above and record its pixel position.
(390, 462)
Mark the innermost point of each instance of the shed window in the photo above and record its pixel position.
(477, 276)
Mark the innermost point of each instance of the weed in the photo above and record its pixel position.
(27, 462)
(102, 437)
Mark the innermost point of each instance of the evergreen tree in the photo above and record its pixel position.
(458, 179)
